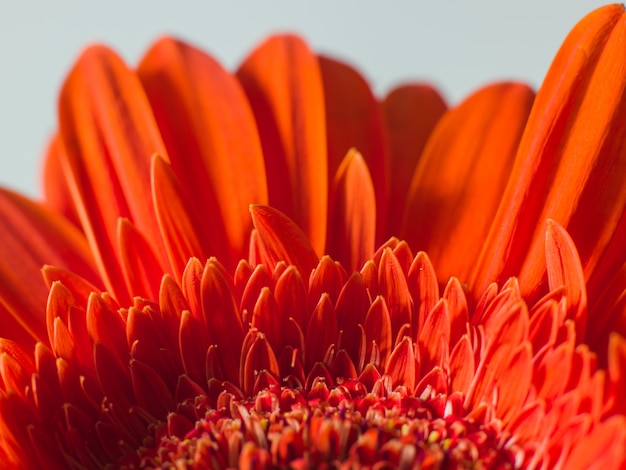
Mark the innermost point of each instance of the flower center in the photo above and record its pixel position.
(344, 427)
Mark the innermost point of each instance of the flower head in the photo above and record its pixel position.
(272, 268)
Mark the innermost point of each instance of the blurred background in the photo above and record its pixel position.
(458, 45)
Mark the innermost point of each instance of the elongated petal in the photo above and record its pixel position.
(209, 131)
(178, 218)
(31, 237)
(352, 218)
(288, 105)
(567, 169)
(354, 120)
(563, 266)
(410, 113)
(109, 135)
(461, 176)
(141, 268)
(283, 240)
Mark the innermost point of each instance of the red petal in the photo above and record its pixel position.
(266, 319)
(378, 333)
(454, 295)
(564, 269)
(353, 120)
(424, 288)
(321, 332)
(462, 368)
(567, 168)
(514, 383)
(211, 136)
(109, 135)
(105, 326)
(259, 279)
(460, 178)
(352, 218)
(140, 266)
(602, 448)
(222, 317)
(284, 86)
(193, 344)
(31, 237)
(410, 113)
(434, 338)
(617, 374)
(260, 357)
(178, 219)
(327, 278)
(150, 390)
(401, 365)
(393, 287)
(290, 294)
(283, 240)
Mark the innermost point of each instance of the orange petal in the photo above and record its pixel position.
(284, 86)
(353, 120)
(401, 365)
(570, 162)
(106, 327)
(410, 113)
(392, 285)
(424, 289)
(211, 137)
(109, 135)
(454, 295)
(222, 317)
(352, 306)
(378, 333)
(290, 293)
(327, 278)
(514, 383)
(283, 240)
(141, 268)
(617, 373)
(462, 367)
(352, 218)
(178, 218)
(31, 237)
(602, 448)
(461, 176)
(265, 317)
(321, 332)
(564, 269)
(259, 357)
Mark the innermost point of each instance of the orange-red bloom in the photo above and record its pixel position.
(272, 268)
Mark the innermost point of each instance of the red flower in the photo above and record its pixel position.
(228, 282)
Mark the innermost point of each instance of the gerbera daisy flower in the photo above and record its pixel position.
(273, 268)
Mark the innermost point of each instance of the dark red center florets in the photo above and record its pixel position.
(344, 427)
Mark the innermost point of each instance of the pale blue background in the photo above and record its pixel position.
(458, 45)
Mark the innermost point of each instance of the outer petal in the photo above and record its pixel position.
(212, 140)
(353, 120)
(410, 113)
(283, 83)
(32, 236)
(109, 135)
(567, 167)
(460, 177)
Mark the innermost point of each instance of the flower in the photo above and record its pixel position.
(273, 269)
